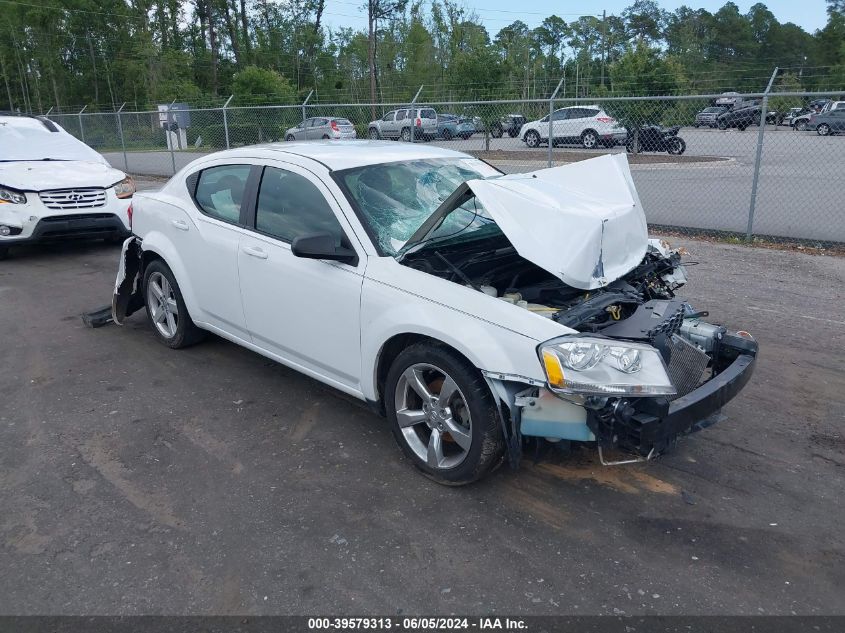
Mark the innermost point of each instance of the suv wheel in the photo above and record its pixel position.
(496, 131)
(823, 129)
(166, 308)
(443, 415)
(406, 134)
(290, 137)
(532, 138)
(373, 134)
(801, 125)
(589, 139)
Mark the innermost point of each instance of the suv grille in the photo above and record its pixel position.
(67, 199)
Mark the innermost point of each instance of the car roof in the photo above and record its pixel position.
(27, 121)
(337, 155)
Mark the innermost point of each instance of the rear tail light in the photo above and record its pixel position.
(334, 126)
(129, 216)
(419, 122)
(604, 119)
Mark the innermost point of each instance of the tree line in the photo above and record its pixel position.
(101, 53)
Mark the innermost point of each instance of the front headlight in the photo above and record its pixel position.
(10, 196)
(125, 188)
(587, 365)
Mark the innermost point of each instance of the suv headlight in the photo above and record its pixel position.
(588, 365)
(125, 188)
(10, 196)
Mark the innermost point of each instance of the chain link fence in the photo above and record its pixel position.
(766, 165)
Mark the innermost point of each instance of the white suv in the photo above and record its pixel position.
(588, 125)
(54, 187)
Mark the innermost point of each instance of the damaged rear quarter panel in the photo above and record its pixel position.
(495, 336)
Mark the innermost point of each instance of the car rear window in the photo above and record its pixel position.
(343, 121)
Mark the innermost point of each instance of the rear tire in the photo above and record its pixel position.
(326, 137)
(496, 131)
(174, 328)
(801, 126)
(676, 146)
(513, 133)
(823, 129)
(453, 448)
(447, 135)
(589, 139)
(290, 137)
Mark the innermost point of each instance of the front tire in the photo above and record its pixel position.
(166, 309)
(532, 138)
(373, 134)
(290, 137)
(801, 126)
(442, 414)
(823, 129)
(496, 131)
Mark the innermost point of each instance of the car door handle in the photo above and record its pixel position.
(254, 252)
(180, 224)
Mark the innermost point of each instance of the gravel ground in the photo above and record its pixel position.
(139, 480)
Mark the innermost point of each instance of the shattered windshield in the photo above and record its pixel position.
(396, 198)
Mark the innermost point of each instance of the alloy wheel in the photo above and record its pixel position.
(433, 416)
(589, 140)
(161, 300)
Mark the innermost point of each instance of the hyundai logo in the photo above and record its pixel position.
(75, 197)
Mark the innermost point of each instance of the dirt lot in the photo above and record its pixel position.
(135, 479)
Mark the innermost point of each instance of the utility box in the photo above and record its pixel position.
(174, 119)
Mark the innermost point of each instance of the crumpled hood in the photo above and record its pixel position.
(48, 174)
(581, 222)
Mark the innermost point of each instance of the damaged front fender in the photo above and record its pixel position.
(128, 296)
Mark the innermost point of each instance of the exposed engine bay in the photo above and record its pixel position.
(496, 269)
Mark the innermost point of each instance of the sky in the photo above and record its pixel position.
(495, 14)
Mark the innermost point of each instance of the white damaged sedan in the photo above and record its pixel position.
(477, 311)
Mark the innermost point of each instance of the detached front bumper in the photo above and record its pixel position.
(649, 426)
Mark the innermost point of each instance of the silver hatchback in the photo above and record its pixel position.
(321, 127)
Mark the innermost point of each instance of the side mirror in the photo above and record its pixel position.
(322, 246)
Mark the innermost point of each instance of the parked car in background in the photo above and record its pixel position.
(509, 124)
(773, 117)
(466, 307)
(802, 122)
(451, 126)
(830, 121)
(397, 124)
(322, 127)
(54, 187)
(740, 118)
(790, 115)
(728, 99)
(707, 117)
(589, 126)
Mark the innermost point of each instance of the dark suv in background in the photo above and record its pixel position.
(741, 116)
(509, 124)
(707, 117)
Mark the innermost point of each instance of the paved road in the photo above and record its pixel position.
(800, 191)
(136, 479)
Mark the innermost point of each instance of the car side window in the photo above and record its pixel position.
(220, 191)
(589, 112)
(290, 205)
(401, 115)
(389, 116)
(561, 115)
